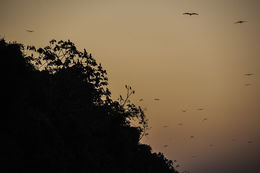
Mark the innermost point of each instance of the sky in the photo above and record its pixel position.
(188, 62)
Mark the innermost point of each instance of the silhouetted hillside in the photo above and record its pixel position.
(58, 116)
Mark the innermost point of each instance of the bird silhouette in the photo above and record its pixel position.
(141, 100)
(205, 119)
(248, 84)
(190, 14)
(200, 109)
(184, 110)
(191, 137)
(156, 99)
(165, 146)
(250, 142)
(165, 126)
(249, 74)
(29, 30)
(180, 124)
(240, 21)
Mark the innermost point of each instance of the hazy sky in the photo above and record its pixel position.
(189, 62)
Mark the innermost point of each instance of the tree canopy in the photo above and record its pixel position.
(59, 115)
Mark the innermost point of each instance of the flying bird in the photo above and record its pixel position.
(249, 74)
(184, 110)
(200, 109)
(190, 14)
(250, 142)
(180, 124)
(240, 21)
(248, 84)
(165, 126)
(205, 119)
(191, 137)
(29, 30)
(165, 146)
(141, 100)
(156, 99)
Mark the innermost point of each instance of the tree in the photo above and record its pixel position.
(60, 115)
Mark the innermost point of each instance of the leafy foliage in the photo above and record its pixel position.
(60, 116)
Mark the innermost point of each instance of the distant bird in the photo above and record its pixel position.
(165, 126)
(141, 100)
(184, 110)
(190, 14)
(193, 156)
(240, 21)
(191, 137)
(165, 146)
(156, 99)
(205, 119)
(180, 124)
(249, 74)
(29, 30)
(248, 84)
(200, 109)
(250, 142)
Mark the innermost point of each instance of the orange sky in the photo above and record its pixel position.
(189, 62)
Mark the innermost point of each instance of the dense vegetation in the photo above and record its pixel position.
(58, 116)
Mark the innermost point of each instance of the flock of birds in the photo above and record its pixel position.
(204, 119)
(186, 13)
(199, 109)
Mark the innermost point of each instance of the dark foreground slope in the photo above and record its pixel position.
(57, 116)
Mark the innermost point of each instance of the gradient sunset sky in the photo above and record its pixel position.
(188, 62)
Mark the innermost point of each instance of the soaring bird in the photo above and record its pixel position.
(240, 21)
(141, 100)
(190, 14)
(200, 109)
(191, 136)
(165, 126)
(249, 74)
(248, 84)
(180, 124)
(165, 146)
(156, 99)
(184, 110)
(250, 142)
(205, 119)
(29, 30)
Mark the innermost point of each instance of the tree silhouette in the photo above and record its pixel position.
(59, 115)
